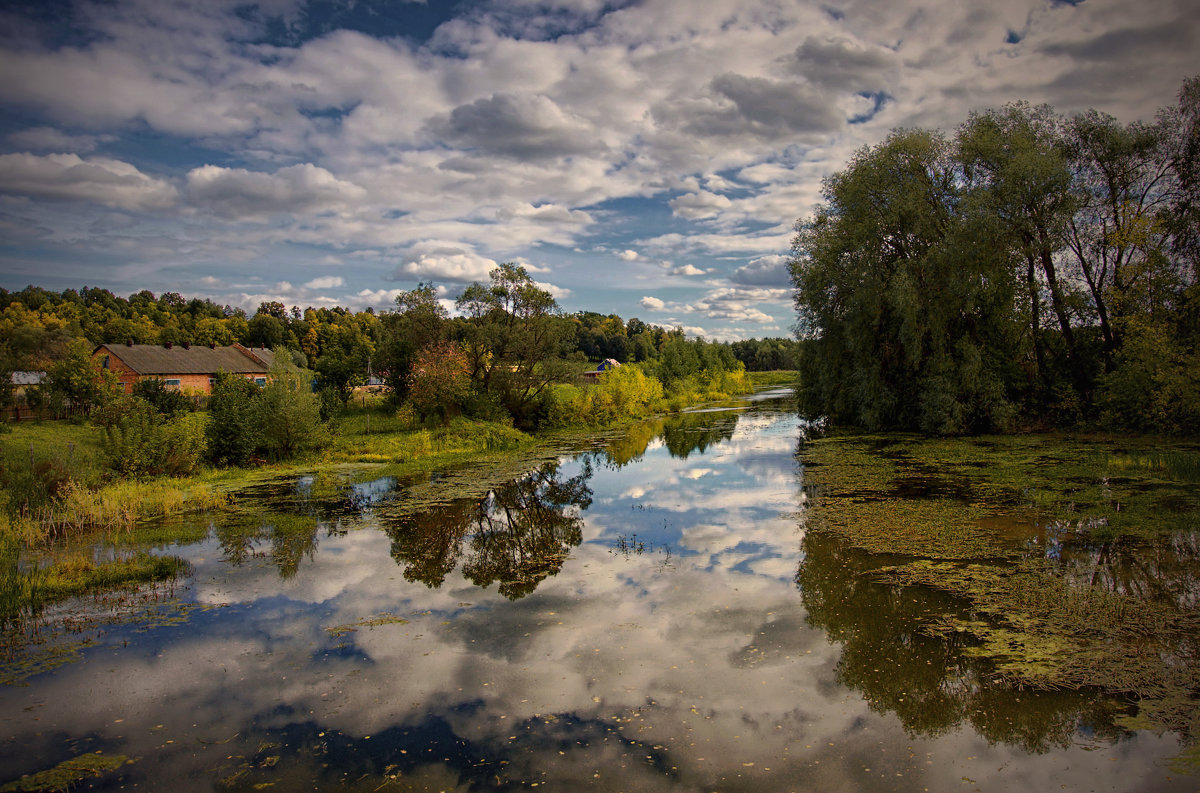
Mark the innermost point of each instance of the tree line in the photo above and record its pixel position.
(1032, 270)
(500, 357)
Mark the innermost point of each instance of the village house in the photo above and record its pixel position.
(187, 367)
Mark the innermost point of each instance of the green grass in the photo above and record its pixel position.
(776, 378)
(68, 773)
(79, 576)
(75, 446)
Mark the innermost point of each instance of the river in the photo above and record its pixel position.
(646, 616)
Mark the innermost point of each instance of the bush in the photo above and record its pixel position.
(232, 430)
(143, 442)
(440, 382)
(287, 412)
(164, 400)
(622, 393)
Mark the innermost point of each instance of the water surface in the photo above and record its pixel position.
(647, 617)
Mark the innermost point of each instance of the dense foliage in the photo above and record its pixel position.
(517, 340)
(1032, 270)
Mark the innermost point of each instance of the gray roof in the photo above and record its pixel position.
(197, 359)
(28, 378)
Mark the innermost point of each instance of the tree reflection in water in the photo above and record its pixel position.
(928, 681)
(518, 535)
(292, 538)
(683, 434)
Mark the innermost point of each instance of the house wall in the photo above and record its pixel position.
(126, 376)
(188, 383)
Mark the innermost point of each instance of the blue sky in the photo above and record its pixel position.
(645, 158)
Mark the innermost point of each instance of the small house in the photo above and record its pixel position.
(605, 365)
(185, 367)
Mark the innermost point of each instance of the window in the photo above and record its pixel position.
(173, 382)
(104, 363)
(260, 381)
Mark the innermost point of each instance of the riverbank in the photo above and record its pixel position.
(77, 506)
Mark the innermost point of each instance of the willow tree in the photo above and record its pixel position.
(906, 310)
(1018, 174)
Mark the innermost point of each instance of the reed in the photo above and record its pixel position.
(116, 507)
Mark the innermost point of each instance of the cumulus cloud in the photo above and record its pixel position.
(687, 269)
(741, 304)
(629, 256)
(767, 108)
(763, 271)
(326, 282)
(841, 64)
(112, 183)
(444, 261)
(520, 125)
(703, 204)
(652, 303)
(51, 139)
(236, 193)
(545, 214)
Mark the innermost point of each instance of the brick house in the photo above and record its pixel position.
(187, 367)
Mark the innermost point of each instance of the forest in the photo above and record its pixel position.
(1030, 271)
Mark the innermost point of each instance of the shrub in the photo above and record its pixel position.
(232, 430)
(143, 442)
(288, 413)
(164, 400)
(622, 393)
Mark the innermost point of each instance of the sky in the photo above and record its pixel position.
(645, 158)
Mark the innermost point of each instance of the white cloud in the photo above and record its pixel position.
(629, 256)
(764, 271)
(236, 193)
(326, 282)
(445, 261)
(687, 269)
(704, 204)
(102, 180)
(652, 303)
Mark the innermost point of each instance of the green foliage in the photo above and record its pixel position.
(345, 354)
(287, 412)
(167, 401)
(1155, 386)
(1004, 277)
(418, 321)
(620, 394)
(233, 431)
(71, 379)
(516, 340)
(145, 443)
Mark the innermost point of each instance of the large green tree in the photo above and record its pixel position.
(515, 338)
(418, 322)
(906, 323)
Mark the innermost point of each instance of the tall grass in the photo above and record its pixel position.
(1181, 465)
(117, 506)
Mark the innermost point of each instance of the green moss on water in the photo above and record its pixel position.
(68, 773)
(382, 618)
(986, 520)
(961, 498)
